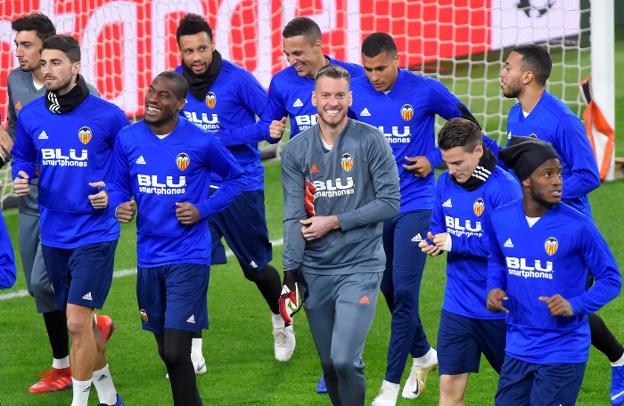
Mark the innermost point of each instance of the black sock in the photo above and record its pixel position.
(603, 339)
(269, 284)
(198, 334)
(56, 327)
(174, 348)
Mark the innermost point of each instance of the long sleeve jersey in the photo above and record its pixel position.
(22, 91)
(229, 111)
(291, 96)
(464, 215)
(550, 257)
(406, 116)
(71, 149)
(161, 172)
(356, 181)
(552, 121)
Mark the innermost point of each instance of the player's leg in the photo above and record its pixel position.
(557, 384)
(386, 281)
(356, 299)
(459, 355)
(186, 312)
(320, 310)
(408, 335)
(515, 383)
(91, 273)
(491, 337)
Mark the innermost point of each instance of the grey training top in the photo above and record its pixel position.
(357, 181)
(21, 92)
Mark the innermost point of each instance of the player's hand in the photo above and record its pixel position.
(6, 144)
(21, 185)
(318, 226)
(125, 212)
(276, 129)
(439, 239)
(289, 298)
(557, 305)
(495, 300)
(430, 249)
(420, 165)
(98, 200)
(187, 213)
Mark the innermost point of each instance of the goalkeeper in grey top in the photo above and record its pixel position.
(340, 183)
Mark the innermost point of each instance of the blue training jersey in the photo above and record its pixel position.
(551, 257)
(7, 258)
(406, 116)
(464, 214)
(552, 121)
(230, 110)
(70, 149)
(290, 95)
(159, 173)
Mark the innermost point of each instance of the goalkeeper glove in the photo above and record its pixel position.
(289, 299)
(309, 198)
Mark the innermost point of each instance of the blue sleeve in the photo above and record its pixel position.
(293, 186)
(493, 146)
(121, 189)
(572, 143)
(7, 258)
(274, 110)
(497, 269)
(438, 225)
(601, 263)
(24, 153)
(218, 159)
(254, 97)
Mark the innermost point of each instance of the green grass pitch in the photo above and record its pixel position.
(238, 346)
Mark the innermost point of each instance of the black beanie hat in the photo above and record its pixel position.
(526, 154)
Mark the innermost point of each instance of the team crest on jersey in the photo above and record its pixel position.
(211, 100)
(346, 161)
(533, 135)
(407, 112)
(183, 161)
(144, 315)
(551, 245)
(478, 206)
(85, 134)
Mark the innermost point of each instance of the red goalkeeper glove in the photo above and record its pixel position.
(309, 198)
(289, 299)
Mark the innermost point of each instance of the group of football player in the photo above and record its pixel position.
(526, 266)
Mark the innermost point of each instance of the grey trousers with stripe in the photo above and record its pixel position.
(340, 311)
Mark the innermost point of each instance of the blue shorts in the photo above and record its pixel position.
(462, 340)
(173, 297)
(81, 276)
(243, 225)
(524, 383)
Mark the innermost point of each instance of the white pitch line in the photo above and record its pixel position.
(117, 274)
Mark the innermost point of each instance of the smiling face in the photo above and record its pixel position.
(332, 98)
(546, 183)
(28, 50)
(59, 72)
(161, 104)
(381, 70)
(196, 50)
(304, 55)
(461, 163)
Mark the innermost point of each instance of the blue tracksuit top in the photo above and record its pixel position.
(71, 149)
(230, 110)
(551, 257)
(159, 173)
(464, 215)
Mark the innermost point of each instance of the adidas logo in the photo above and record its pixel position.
(365, 113)
(87, 296)
(364, 300)
(297, 103)
(102, 377)
(417, 238)
(42, 135)
(191, 319)
(447, 203)
(140, 160)
(508, 243)
(253, 264)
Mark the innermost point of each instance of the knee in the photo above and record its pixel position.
(451, 391)
(174, 354)
(78, 326)
(346, 367)
(250, 274)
